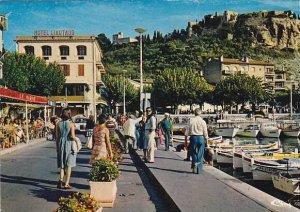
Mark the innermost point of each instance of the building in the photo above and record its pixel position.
(80, 58)
(119, 39)
(3, 27)
(219, 68)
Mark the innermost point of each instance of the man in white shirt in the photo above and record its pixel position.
(197, 131)
(150, 128)
(129, 132)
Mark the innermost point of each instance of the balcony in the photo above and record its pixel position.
(269, 73)
(100, 67)
(69, 98)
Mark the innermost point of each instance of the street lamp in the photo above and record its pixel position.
(124, 101)
(141, 31)
(291, 96)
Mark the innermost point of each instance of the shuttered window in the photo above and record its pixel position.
(65, 69)
(80, 69)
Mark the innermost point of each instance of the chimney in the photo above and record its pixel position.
(221, 58)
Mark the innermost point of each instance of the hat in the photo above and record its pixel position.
(167, 114)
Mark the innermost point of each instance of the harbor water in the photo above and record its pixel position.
(287, 144)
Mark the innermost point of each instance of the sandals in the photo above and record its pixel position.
(67, 187)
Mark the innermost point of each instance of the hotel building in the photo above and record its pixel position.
(80, 58)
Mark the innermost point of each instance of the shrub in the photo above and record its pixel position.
(79, 202)
(104, 170)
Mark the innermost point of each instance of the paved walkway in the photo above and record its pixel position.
(212, 191)
(29, 177)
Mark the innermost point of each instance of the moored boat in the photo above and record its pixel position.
(270, 129)
(250, 131)
(290, 128)
(287, 181)
(224, 157)
(226, 128)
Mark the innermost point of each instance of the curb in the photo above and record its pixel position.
(173, 206)
(22, 146)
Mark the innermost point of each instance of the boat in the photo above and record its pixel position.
(238, 155)
(226, 128)
(250, 131)
(290, 128)
(224, 157)
(270, 129)
(263, 170)
(287, 181)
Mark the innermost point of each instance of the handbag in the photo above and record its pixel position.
(76, 145)
(89, 143)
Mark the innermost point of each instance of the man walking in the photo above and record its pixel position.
(129, 132)
(165, 125)
(197, 131)
(150, 128)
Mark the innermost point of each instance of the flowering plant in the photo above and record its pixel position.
(78, 202)
(104, 170)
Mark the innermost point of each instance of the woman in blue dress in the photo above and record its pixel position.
(142, 136)
(66, 157)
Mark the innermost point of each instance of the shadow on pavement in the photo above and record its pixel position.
(168, 158)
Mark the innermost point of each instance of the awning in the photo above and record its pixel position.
(11, 94)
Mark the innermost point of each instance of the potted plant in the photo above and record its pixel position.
(82, 202)
(103, 184)
(116, 150)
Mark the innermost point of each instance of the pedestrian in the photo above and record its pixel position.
(66, 157)
(197, 131)
(101, 141)
(150, 128)
(111, 125)
(142, 136)
(165, 125)
(187, 144)
(90, 124)
(129, 132)
(137, 126)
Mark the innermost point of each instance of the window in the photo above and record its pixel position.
(47, 51)
(65, 69)
(243, 70)
(29, 50)
(80, 69)
(81, 50)
(252, 69)
(235, 69)
(64, 50)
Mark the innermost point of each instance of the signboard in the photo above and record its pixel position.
(11, 94)
(63, 32)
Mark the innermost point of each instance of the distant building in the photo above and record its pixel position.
(190, 27)
(136, 83)
(219, 68)
(80, 58)
(119, 39)
(3, 27)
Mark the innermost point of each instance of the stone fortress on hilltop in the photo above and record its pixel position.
(274, 29)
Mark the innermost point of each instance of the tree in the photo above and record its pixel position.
(114, 91)
(179, 86)
(26, 73)
(239, 89)
(104, 42)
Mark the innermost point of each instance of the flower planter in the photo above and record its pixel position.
(104, 192)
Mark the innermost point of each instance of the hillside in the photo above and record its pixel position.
(269, 36)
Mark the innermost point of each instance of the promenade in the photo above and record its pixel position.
(29, 176)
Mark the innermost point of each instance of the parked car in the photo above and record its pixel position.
(80, 124)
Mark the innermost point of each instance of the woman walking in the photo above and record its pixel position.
(101, 141)
(66, 157)
(142, 136)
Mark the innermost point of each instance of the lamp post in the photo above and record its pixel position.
(141, 31)
(124, 100)
(291, 98)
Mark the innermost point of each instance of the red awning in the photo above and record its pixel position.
(11, 94)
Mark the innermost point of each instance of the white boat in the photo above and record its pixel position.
(290, 128)
(238, 155)
(287, 181)
(224, 157)
(250, 131)
(270, 129)
(263, 169)
(226, 128)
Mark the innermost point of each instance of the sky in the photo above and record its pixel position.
(89, 17)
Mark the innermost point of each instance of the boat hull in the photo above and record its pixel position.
(270, 133)
(291, 133)
(224, 158)
(287, 185)
(246, 164)
(237, 162)
(248, 133)
(227, 132)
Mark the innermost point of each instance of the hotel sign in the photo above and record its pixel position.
(63, 32)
